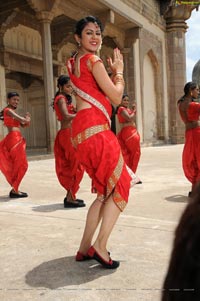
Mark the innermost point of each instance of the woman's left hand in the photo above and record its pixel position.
(116, 64)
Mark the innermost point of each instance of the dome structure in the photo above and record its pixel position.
(196, 73)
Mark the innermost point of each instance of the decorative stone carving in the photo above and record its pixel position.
(44, 5)
(177, 15)
(164, 6)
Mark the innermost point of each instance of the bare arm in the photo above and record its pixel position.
(22, 120)
(63, 110)
(127, 116)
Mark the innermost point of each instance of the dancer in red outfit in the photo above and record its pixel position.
(98, 148)
(128, 136)
(68, 169)
(190, 113)
(13, 162)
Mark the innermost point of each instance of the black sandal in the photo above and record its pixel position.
(74, 204)
(15, 195)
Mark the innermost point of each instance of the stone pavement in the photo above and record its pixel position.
(39, 238)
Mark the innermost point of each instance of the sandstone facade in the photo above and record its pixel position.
(36, 38)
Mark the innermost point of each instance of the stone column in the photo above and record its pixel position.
(2, 98)
(176, 28)
(138, 94)
(45, 20)
(125, 52)
(131, 54)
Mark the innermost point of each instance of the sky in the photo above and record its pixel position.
(192, 42)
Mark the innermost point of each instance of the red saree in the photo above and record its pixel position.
(98, 148)
(129, 140)
(191, 151)
(13, 161)
(68, 169)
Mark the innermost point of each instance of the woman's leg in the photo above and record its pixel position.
(109, 217)
(93, 218)
(20, 165)
(133, 150)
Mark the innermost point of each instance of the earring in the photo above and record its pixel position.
(79, 44)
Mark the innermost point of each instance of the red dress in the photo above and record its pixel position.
(13, 161)
(191, 151)
(129, 140)
(68, 169)
(98, 148)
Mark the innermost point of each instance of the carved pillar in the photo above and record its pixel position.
(131, 54)
(125, 52)
(45, 20)
(2, 98)
(176, 28)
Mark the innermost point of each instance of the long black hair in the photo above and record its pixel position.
(80, 25)
(9, 95)
(61, 81)
(187, 88)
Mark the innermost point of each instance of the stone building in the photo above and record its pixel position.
(36, 38)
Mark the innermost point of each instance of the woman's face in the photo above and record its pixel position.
(13, 101)
(67, 88)
(90, 39)
(195, 92)
(125, 102)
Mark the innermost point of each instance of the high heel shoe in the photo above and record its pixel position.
(111, 264)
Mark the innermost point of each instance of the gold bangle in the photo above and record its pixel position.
(118, 79)
(120, 82)
(119, 72)
(116, 76)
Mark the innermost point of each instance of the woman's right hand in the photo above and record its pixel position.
(116, 64)
(27, 118)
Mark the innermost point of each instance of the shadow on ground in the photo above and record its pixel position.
(65, 271)
(51, 208)
(178, 198)
(4, 198)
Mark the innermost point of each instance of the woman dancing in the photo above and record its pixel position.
(69, 171)
(13, 161)
(97, 146)
(190, 113)
(128, 136)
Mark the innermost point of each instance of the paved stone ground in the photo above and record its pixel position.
(39, 237)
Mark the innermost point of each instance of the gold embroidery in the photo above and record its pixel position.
(87, 133)
(92, 60)
(119, 201)
(100, 198)
(91, 100)
(112, 181)
(115, 175)
(122, 204)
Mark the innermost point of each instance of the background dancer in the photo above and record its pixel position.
(13, 161)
